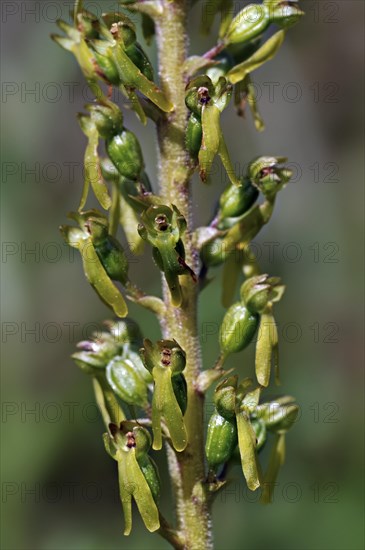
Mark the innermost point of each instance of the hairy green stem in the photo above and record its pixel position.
(187, 468)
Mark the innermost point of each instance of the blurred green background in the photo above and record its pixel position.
(58, 485)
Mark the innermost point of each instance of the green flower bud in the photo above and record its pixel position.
(221, 440)
(166, 360)
(123, 445)
(107, 119)
(254, 19)
(194, 133)
(268, 177)
(140, 59)
(236, 200)
(125, 152)
(257, 292)
(238, 329)
(248, 24)
(225, 397)
(126, 382)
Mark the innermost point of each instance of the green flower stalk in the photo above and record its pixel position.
(161, 387)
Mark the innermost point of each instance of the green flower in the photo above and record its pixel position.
(207, 101)
(163, 228)
(165, 360)
(103, 257)
(129, 445)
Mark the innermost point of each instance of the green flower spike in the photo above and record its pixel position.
(207, 101)
(165, 360)
(259, 293)
(102, 257)
(163, 227)
(129, 445)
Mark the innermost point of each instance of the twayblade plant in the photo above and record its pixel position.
(152, 394)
